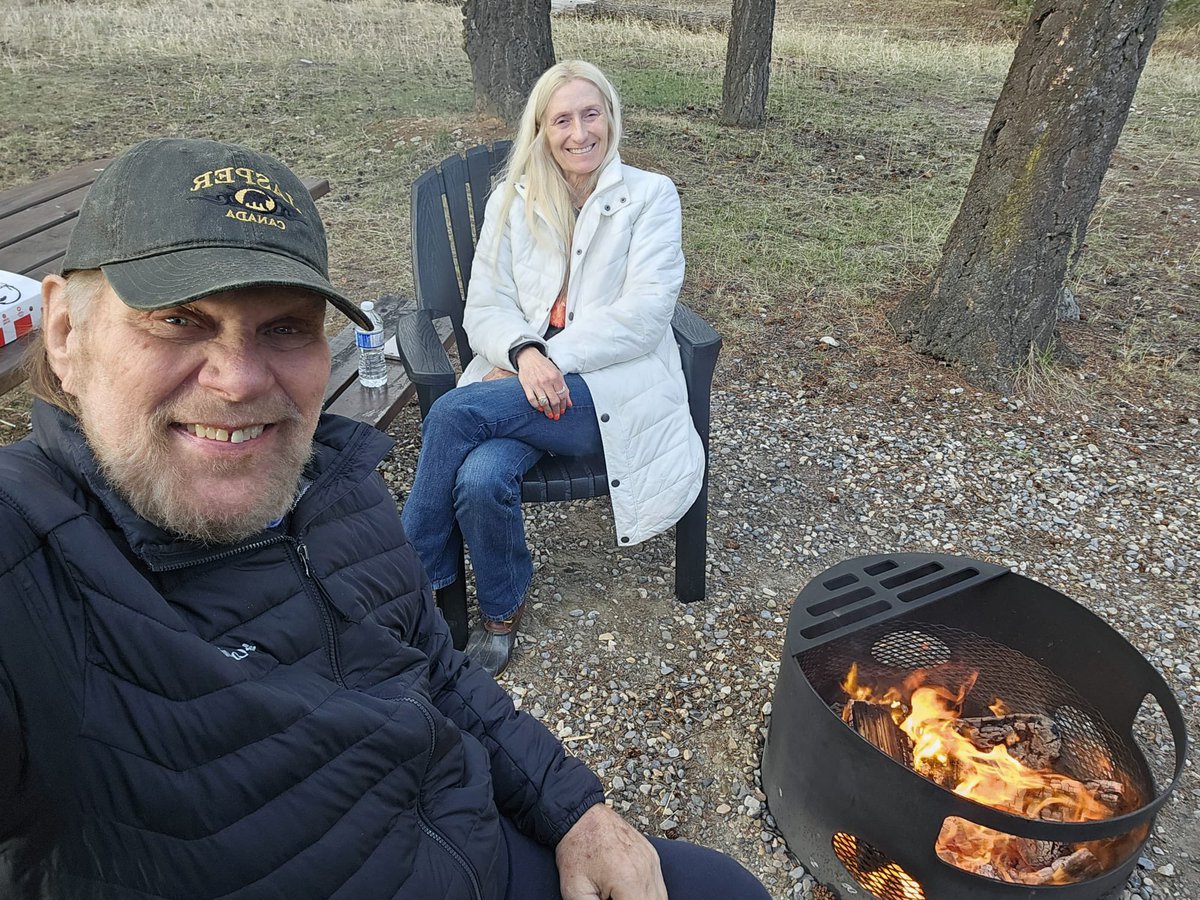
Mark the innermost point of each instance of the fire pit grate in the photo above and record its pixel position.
(868, 813)
(874, 870)
(1091, 749)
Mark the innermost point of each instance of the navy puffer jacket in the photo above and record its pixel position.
(284, 718)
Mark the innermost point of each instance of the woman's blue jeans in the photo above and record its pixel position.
(478, 441)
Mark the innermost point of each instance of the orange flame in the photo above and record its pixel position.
(927, 713)
(892, 881)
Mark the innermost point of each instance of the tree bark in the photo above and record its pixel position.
(508, 43)
(748, 64)
(992, 299)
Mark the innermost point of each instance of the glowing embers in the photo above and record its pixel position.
(1011, 761)
(874, 870)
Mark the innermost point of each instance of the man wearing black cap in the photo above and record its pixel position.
(221, 672)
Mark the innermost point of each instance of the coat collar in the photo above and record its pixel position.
(344, 453)
(611, 176)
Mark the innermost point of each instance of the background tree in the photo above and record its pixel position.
(508, 43)
(993, 297)
(748, 64)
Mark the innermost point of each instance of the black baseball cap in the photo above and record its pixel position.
(172, 220)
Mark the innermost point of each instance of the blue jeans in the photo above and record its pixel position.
(478, 441)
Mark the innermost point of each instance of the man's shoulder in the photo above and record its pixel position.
(22, 467)
(350, 440)
(19, 480)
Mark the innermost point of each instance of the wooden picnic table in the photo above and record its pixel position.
(378, 406)
(36, 221)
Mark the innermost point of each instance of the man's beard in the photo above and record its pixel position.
(140, 469)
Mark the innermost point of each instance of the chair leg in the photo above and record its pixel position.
(691, 550)
(452, 601)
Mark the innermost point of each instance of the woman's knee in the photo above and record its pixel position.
(483, 480)
(473, 485)
(450, 409)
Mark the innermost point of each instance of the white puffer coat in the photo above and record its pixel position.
(626, 272)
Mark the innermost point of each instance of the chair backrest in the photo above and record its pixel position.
(448, 202)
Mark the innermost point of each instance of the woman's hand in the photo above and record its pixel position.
(497, 372)
(545, 387)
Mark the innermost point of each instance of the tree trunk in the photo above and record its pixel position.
(748, 64)
(993, 297)
(509, 46)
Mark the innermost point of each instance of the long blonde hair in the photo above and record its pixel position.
(546, 191)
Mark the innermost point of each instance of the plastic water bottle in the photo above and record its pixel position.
(372, 367)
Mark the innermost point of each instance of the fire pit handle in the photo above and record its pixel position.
(1167, 702)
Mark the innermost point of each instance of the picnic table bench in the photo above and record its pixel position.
(36, 221)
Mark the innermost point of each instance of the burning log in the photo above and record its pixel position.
(1079, 865)
(1061, 793)
(1110, 793)
(1031, 739)
(1013, 761)
(875, 723)
(1035, 855)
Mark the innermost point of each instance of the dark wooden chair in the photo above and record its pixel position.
(447, 215)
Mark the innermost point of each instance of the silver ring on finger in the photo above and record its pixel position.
(543, 400)
(560, 393)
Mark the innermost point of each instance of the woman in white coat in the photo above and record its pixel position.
(569, 309)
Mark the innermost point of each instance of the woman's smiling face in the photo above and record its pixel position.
(576, 129)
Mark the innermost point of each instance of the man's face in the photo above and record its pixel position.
(202, 415)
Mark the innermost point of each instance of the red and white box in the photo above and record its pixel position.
(20, 306)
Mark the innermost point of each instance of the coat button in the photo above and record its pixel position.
(616, 482)
(625, 540)
(570, 317)
(623, 199)
(604, 418)
(607, 207)
(579, 251)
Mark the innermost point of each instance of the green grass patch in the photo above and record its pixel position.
(874, 120)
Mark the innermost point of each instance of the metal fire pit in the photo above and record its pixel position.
(847, 809)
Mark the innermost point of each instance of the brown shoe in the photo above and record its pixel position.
(490, 644)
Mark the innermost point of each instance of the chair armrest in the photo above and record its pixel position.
(425, 359)
(699, 345)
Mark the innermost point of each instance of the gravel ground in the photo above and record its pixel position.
(671, 703)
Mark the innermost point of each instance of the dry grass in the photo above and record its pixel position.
(875, 117)
(376, 33)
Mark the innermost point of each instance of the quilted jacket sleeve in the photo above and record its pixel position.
(13, 544)
(10, 744)
(635, 322)
(542, 789)
(493, 318)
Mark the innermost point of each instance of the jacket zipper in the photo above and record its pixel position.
(224, 554)
(325, 607)
(423, 820)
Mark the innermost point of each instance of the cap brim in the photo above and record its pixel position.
(169, 279)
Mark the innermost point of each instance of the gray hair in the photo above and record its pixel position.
(80, 292)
